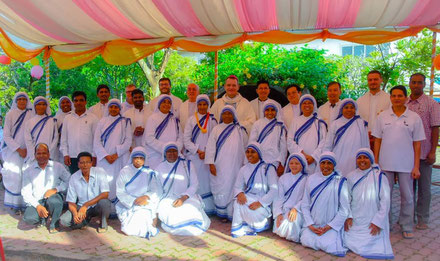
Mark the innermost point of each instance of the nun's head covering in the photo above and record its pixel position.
(116, 102)
(168, 146)
(40, 99)
(138, 152)
(232, 110)
(255, 146)
(160, 99)
(59, 104)
(309, 97)
(270, 104)
(328, 155)
(366, 152)
(203, 97)
(21, 95)
(302, 160)
(345, 102)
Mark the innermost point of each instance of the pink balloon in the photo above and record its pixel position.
(5, 59)
(37, 72)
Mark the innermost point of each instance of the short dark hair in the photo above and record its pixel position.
(85, 154)
(41, 144)
(375, 71)
(334, 82)
(418, 74)
(399, 87)
(298, 88)
(165, 79)
(79, 93)
(102, 86)
(263, 82)
(137, 91)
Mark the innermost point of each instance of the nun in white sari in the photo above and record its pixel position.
(254, 190)
(138, 191)
(307, 133)
(367, 231)
(41, 128)
(346, 135)
(162, 127)
(65, 106)
(180, 208)
(287, 215)
(225, 156)
(197, 131)
(325, 207)
(111, 144)
(14, 149)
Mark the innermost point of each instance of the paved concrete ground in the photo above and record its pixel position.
(23, 242)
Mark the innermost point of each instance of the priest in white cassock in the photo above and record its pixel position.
(198, 128)
(65, 106)
(263, 91)
(292, 110)
(307, 133)
(287, 214)
(14, 150)
(325, 207)
(346, 135)
(254, 191)
(162, 127)
(99, 109)
(367, 230)
(189, 107)
(111, 144)
(225, 156)
(138, 191)
(245, 114)
(329, 110)
(41, 128)
(165, 89)
(271, 133)
(180, 208)
(138, 116)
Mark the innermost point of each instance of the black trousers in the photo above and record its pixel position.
(102, 209)
(73, 165)
(53, 204)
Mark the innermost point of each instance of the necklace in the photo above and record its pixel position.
(204, 128)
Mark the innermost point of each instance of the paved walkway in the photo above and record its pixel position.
(23, 242)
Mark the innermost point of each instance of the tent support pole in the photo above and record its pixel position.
(434, 43)
(47, 70)
(216, 76)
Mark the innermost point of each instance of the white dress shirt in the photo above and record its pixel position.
(370, 106)
(98, 109)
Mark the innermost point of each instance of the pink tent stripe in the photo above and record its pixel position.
(105, 13)
(424, 12)
(257, 15)
(181, 16)
(40, 21)
(337, 13)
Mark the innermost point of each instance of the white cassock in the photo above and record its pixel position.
(133, 183)
(41, 129)
(290, 112)
(328, 113)
(13, 137)
(138, 118)
(370, 106)
(175, 100)
(370, 203)
(290, 192)
(225, 149)
(126, 106)
(195, 140)
(271, 135)
(325, 202)
(186, 111)
(160, 129)
(257, 106)
(178, 179)
(307, 134)
(344, 138)
(259, 182)
(113, 135)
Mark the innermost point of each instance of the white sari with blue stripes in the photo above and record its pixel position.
(41, 129)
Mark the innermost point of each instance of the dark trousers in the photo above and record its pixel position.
(53, 204)
(422, 188)
(102, 209)
(73, 165)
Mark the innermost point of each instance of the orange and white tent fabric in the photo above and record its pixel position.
(74, 32)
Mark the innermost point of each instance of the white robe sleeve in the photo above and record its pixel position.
(123, 148)
(189, 145)
(53, 146)
(253, 136)
(328, 144)
(28, 139)
(98, 147)
(240, 182)
(283, 148)
(210, 147)
(94, 126)
(7, 133)
(305, 207)
(381, 217)
(154, 190)
(292, 146)
(193, 182)
(277, 206)
(179, 140)
(126, 199)
(317, 152)
(149, 137)
(338, 221)
(272, 183)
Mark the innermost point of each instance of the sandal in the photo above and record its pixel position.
(422, 226)
(102, 230)
(407, 234)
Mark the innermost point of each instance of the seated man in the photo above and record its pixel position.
(44, 181)
(87, 195)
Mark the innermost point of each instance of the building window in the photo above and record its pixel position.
(362, 50)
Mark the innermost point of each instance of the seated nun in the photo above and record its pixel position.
(325, 207)
(254, 190)
(138, 191)
(180, 208)
(367, 231)
(287, 215)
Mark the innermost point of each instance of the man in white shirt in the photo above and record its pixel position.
(103, 93)
(128, 104)
(372, 103)
(165, 88)
(330, 110)
(245, 113)
(263, 91)
(189, 107)
(292, 110)
(78, 130)
(138, 116)
(87, 195)
(44, 184)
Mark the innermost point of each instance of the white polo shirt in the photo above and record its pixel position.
(398, 134)
(83, 191)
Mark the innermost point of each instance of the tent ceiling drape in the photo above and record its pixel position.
(74, 32)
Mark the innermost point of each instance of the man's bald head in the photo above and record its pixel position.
(192, 91)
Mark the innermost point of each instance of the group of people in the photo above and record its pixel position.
(323, 176)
